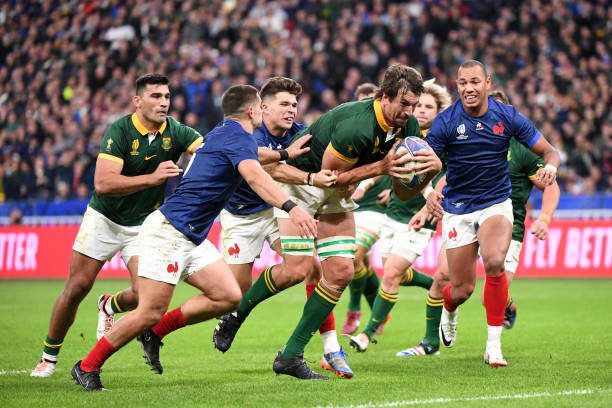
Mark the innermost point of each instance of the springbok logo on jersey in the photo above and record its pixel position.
(461, 131)
(108, 145)
(166, 143)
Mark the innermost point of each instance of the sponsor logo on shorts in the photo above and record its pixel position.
(173, 268)
(452, 234)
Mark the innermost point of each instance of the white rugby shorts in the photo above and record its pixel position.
(316, 200)
(512, 256)
(397, 239)
(243, 236)
(166, 255)
(461, 229)
(100, 238)
(370, 220)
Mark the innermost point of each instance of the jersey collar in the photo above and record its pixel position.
(142, 129)
(424, 132)
(379, 116)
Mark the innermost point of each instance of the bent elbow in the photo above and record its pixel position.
(100, 187)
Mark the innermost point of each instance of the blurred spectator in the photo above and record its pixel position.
(15, 217)
(65, 71)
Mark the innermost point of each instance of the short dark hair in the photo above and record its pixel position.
(500, 95)
(237, 99)
(473, 63)
(399, 77)
(365, 89)
(150, 79)
(278, 84)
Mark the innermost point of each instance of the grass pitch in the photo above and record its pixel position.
(559, 354)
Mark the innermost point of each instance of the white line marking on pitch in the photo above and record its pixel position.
(483, 398)
(9, 372)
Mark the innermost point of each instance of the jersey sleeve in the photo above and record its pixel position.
(113, 146)
(530, 162)
(348, 142)
(524, 130)
(435, 136)
(241, 147)
(260, 138)
(189, 138)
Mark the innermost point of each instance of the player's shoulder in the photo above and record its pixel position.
(508, 112)
(121, 127)
(357, 117)
(296, 128)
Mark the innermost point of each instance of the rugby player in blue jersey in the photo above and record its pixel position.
(474, 133)
(248, 222)
(172, 242)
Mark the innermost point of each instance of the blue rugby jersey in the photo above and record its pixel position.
(209, 181)
(245, 201)
(476, 149)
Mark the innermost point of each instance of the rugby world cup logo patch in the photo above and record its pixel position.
(461, 131)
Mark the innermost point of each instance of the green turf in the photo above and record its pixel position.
(561, 342)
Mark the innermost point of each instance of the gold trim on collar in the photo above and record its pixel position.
(380, 117)
(424, 132)
(142, 129)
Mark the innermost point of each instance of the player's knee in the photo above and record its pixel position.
(296, 270)
(343, 274)
(494, 265)
(76, 290)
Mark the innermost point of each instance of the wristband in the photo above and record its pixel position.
(427, 190)
(544, 218)
(365, 184)
(284, 155)
(288, 206)
(551, 168)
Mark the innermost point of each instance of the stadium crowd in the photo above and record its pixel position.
(67, 69)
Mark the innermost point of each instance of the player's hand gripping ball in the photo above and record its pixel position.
(411, 144)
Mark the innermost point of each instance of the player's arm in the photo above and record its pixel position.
(364, 186)
(434, 200)
(108, 179)
(288, 174)
(550, 200)
(268, 190)
(551, 160)
(267, 156)
(391, 164)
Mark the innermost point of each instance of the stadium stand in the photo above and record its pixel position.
(66, 69)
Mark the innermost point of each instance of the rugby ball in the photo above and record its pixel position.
(411, 144)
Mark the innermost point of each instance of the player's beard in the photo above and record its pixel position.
(154, 118)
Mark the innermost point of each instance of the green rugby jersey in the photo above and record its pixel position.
(523, 164)
(355, 132)
(369, 201)
(126, 141)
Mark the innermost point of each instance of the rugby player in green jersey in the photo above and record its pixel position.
(372, 196)
(137, 157)
(357, 140)
(523, 166)
(400, 244)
